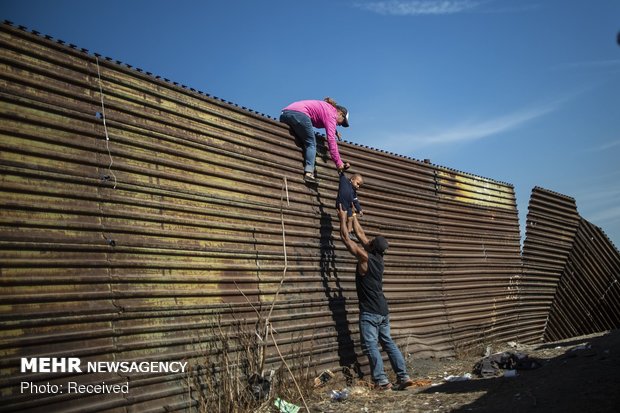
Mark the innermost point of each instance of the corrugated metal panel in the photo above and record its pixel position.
(588, 298)
(127, 248)
(551, 225)
(571, 270)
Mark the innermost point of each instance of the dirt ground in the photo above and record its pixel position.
(576, 375)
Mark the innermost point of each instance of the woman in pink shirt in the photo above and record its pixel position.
(302, 116)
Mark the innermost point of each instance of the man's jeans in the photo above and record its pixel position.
(304, 132)
(375, 328)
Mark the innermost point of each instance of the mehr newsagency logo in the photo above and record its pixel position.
(75, 365)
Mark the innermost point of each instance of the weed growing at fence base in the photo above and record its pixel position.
(241, 373)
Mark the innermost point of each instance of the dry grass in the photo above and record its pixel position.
(231, 376)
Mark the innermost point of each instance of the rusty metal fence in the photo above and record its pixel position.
(571, 270)
(136, 211)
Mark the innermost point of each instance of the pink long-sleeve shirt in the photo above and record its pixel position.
(322, 115)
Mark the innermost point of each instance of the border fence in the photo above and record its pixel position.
(136, 213)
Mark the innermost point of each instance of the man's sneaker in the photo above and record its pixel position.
(310, 179)
(404, 385)
(383, 387)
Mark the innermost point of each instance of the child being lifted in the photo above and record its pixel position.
(347, 199)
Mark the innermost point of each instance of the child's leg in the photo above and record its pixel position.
(350, 224)
(342, 215)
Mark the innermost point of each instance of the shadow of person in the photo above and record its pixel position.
(335, 295)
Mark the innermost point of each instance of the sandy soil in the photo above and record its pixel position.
(577, 375)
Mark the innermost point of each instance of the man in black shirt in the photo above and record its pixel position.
(374, 314)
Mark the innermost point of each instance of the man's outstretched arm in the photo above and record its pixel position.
(359, 252)
(357, 228)
(344, 234)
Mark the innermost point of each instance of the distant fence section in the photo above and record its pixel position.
(137, 212)
(571, 270)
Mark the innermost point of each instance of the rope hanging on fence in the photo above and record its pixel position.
(269, 330)
(105, 127)
(283, 247)
(268, 327)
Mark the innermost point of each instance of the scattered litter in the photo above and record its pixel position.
(286, 407)
(493, 365)
(466, 376)
(341, 395)
(487, 353)
(422, 383)
(512, 344)
(584, 350)
(359, 391)
(510, 373)
(260, 386)
(323, 378)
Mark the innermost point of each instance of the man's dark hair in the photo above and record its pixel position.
(379, 244)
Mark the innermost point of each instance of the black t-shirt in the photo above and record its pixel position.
(370, 287)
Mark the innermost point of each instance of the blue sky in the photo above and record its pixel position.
(525, 92)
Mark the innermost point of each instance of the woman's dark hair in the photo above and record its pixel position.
(339, 108)
(331, 102)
